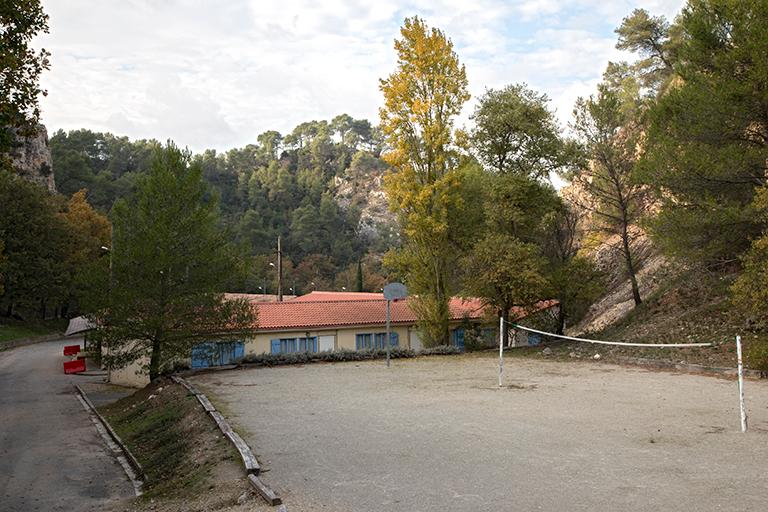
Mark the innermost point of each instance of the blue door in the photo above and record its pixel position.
(458, 338)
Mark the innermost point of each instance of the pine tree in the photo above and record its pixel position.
(170, 260)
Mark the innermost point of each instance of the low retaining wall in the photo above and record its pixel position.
(686, 367)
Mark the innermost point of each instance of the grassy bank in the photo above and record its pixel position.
(188, 464)
(693, 308)
(11, 330)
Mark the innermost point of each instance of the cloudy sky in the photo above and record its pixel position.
(214, 74)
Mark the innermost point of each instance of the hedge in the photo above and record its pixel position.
(342, 355)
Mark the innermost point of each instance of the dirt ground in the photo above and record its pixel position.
(437, 434)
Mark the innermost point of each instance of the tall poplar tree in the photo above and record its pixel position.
(422, 97)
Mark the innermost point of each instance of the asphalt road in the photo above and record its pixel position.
(51, 456)
(438, 435)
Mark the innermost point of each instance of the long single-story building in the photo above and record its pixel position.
(324, 321)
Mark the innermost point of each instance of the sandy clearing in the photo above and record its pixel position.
(436, 434)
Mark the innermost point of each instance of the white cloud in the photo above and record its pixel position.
(215, 74)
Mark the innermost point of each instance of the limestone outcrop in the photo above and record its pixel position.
(31, 158)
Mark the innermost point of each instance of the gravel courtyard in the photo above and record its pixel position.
(437, 434)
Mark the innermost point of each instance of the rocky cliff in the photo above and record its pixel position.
(31, 158)
(366, 192)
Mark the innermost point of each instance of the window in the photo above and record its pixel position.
(291, 345)
(368, 341)
(363, 341)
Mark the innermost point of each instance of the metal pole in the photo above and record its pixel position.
(388, 335)
(111, 289)
(742, 409)
(279, 271)
(501, 350)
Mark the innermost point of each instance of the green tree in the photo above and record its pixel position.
(20, 69)
(610, 137)
(359, 287)
(518, 206)
(706, 148)
(422, 97)
(515, 210)
(574, 280)
(750, 290)
(34, 239)
(515, 132)
(505, 273)
(3, 261)
(270, 143)
(169, 261)
(656, 42)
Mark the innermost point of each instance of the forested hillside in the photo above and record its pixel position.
(312, 187)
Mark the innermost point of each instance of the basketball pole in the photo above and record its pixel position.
(387, 341)
(742, 408)
(501, 351)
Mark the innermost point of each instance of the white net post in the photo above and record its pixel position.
(742, 408)
(501, 351)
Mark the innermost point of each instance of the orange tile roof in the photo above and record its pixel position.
(256, 297)
(355, 309)
(318, 296)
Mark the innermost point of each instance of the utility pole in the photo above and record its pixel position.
(279, 271)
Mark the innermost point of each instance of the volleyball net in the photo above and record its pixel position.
(511, 325)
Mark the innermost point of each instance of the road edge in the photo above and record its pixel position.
(127, 460)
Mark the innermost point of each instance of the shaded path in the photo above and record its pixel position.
(51, 456)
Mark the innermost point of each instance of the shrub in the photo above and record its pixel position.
(341, 355)
(757, 357)
(441, 350)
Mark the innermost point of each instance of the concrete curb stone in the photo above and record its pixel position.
(207, 405)
(268, 494)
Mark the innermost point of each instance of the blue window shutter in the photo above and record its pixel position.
(358, 338)
(394, 339)
(275, 346)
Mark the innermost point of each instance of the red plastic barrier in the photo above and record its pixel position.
(71, 350)
(76, 366)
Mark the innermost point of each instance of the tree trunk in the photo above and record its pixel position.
(154, 361)
(630, 265)
(560, 319)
